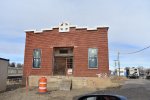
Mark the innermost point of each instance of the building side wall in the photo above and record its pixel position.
(3, 74)
(79, 39)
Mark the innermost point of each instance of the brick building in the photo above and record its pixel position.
(66, 49)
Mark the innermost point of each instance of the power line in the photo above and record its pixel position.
(137, 51)
(118, 58)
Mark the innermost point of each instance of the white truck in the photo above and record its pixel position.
(134, 73)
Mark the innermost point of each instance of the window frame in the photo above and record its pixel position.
(36, 58)
(89, 67)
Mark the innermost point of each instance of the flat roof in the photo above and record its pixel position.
(4, 59)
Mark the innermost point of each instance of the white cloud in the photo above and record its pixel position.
(11, 48)
(128, 21)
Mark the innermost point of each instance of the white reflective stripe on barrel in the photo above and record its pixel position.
(42, 83)
(42, 88)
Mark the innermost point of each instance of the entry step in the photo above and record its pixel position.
(65, 85)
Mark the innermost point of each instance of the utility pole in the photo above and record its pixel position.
(119, 63)
(115, 62)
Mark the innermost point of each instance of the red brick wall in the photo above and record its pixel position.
(80, 39)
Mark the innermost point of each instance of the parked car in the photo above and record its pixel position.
(133, 73)
(148, 77)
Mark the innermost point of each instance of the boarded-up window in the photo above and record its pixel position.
(93, 58)
(36, 58)
(63, 51)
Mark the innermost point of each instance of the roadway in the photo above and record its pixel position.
(133, 89)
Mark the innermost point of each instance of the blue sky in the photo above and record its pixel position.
(129, 22)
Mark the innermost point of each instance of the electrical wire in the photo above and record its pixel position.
(137, 51)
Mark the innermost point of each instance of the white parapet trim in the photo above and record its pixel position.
(102, 26)
(83, 27)
(76, 27)
(94, 28)
(38, 31)
(73, 25)
(30, 30)
(47, 29)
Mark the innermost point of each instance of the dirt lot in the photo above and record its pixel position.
(20, 94)
(17, 92)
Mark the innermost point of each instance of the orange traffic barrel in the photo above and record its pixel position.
(42, 85)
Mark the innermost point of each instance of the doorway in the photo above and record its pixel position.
(63, 60)
(59, 66)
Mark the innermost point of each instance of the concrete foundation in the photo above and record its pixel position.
(54, 82)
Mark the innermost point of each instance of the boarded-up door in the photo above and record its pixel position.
(60, 66)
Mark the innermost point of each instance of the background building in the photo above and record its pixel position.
(3, 73)
(122, 72)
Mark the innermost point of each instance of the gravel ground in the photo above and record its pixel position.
(21, 94)
(135, 89)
